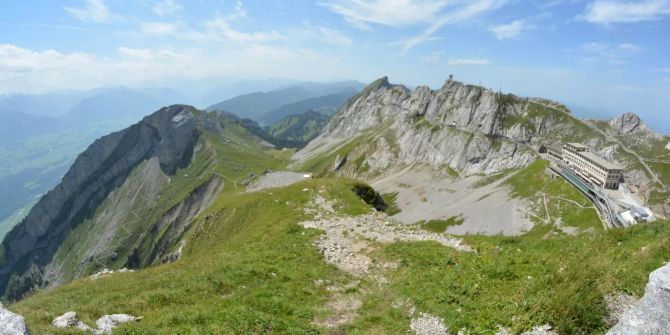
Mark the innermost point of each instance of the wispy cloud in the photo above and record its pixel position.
(608, 11)
(92, 11)
(455, 14)
(320, 34)
(159, 28)
(400, 13)
(510, 30)
(605, 53)
(468, 61)
(396, 13)
(166, 7)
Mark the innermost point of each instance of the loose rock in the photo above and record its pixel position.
(69, 320)
(652, 314)
(108, 322)
(12, 324)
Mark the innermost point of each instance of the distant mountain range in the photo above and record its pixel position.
(259, 106)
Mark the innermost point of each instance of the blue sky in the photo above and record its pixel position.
(610, 56)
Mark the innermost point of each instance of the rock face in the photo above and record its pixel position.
(468, 128)
(627, 123)
(12, 324)
(168, 136)
(652, 314)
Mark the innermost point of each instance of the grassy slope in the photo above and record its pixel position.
(249, 268)
(519, 282)
(531, 182)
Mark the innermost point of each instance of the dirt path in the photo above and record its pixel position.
(348, 242)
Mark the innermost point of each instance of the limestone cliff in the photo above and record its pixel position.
(167, 138)
(468, 128)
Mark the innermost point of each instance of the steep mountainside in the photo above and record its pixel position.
(125, 201)
(467, 128)
(430, 150)
(327, 105)
(299, 128)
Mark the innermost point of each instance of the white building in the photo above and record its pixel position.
(592, 168)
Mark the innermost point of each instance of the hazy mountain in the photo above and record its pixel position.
(300, 128)
(49, 104)
(117, 105)
(18, 126)
(255, 105)
(327, 105)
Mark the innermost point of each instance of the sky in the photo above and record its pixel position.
(603, 56)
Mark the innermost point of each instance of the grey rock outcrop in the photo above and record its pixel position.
(169, 135)
(104, 325)
(70, 320)
(468, 128)
(12, 324)
(108, 322)
(627, 123)
(651, 316)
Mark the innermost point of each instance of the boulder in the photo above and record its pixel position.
(108, 322)
(651, 316)
(69, 320)
(12, 324)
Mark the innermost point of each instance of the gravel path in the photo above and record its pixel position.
(347, 243)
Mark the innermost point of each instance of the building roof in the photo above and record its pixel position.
(600, 161)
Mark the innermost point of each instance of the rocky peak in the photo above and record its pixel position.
(169, 135)
(627, 123)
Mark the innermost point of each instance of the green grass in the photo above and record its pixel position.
(518, 282)
(562, 199)
(490, 179)
(663, 171)
(391, 200)
(248, 268)
(440, 226)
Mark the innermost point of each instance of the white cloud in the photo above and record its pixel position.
(93, 11)
(610, 11)
(468, 61)
(320, 34)
(29, 71)
(396, 13)
(510, 30)
(166, 8)
(220, 28)
(457, 13)
(605, 53)
(628, 88)
(158, 28)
